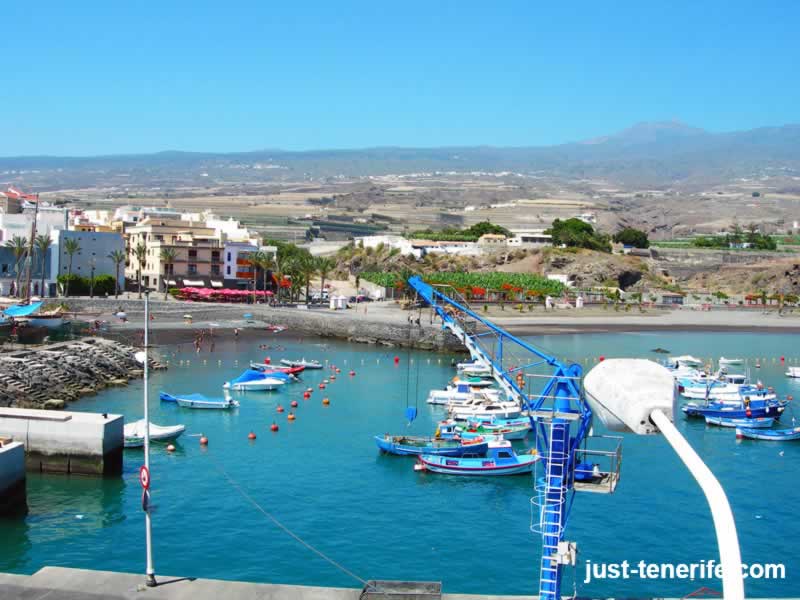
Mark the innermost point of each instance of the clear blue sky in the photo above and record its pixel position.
(96, 77)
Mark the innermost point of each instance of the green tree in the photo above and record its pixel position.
(71, 247)
(485, 227)
(168, 256)
(307, 267)
(324, 267)
(578, 234)
(632, 237)
(258, 260)
(19, 247)
(140, 252)
(118, 256)
(42, 243)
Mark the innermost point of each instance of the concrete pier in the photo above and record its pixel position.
(82, 584)
(66, 442)
(13, 500)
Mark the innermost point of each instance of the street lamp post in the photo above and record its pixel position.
(92, 266)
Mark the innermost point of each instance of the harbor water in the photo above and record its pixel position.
(321, 476)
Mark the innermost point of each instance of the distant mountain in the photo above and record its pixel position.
(655, 153)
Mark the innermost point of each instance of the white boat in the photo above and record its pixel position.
(308, 364)
(685, 360)
(793, 372)
(456, 394)
(730, 361)
(252, 380)
(500, 409)
(208, 403)
(134, 433)
(472, 381)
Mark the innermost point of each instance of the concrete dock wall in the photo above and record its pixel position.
(66, 442)
(12, 479)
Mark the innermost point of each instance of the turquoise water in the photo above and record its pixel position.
(323, 478)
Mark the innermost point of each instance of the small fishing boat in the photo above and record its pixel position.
(476, 369)
(405, 445)
(757, 409)
(730, 361)
(208, 403)
(134, 433)
(473, 381)
(770, 435)
(793, 372)
(753, 423)
(252, 380)
(451, 429)
(458, 394)
(265, 368)
(500, 460)
(308, 364)
(481, 409)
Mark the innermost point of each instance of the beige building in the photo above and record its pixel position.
(198, 253)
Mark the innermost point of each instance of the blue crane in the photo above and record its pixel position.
(552, 394)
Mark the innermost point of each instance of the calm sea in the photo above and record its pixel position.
(322, 477)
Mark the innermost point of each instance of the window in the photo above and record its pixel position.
(5, 269)
(228, 270)
(215, 269)
(503, 455)
(192, 269)
(229, 257)
(192, 253)
(215, 255)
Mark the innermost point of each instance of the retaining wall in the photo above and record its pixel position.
(12, 479)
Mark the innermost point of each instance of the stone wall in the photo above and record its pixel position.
(685, 262)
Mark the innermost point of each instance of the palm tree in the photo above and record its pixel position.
(140, 252)
(256, 259)
(19, 246)
(118, 256)
(42, 243)
(168, 256)
(71, 246)
(324, 268)
(307, 267)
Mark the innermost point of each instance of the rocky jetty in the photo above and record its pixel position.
(51, 376)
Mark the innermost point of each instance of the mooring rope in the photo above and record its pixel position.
(283, 527)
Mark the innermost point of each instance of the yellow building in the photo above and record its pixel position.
(198, 253)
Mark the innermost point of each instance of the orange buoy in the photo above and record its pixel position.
(293, 403)
(322, 386)
(279, 409)
(251, 436)
(306, 395)
(203, 441)
(352, 373)
(274, 426)
(325, 401)
(170, 448)
(290, 416)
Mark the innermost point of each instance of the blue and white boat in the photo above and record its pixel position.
(754, 423)
(199, 401)
(729, 392)
(252, 380)
(459, 394)
(451, 429)
(770, 435)
(404, 445)
(500, 459)
(758, 408)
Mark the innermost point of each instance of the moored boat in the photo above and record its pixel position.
(500, 460)
(730, 361)
(252, 380)
(756, 409)
(265, 368)
(459, 394)
(134, 433)
(472, 381)
(405, 445)
(308, 364)
(483, 410)
(793, 372)
(770, 435)
(753, 423)
(208, 403)
(450, 429)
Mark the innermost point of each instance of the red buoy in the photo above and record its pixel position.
(397, 360)
(267, 361)
(204, 441)
(322, 386)
(333, 377)
(251, 436)
(306, 395)
(279, 409)
(352, 373)
(338, 370)
(782, 359)
(294, 403)
(602, 358)
(273, 427)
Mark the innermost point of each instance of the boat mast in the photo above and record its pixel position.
(30, 252)
(150, 580)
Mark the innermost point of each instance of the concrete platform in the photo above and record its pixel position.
(58, 583)
(13, 494)
(66, 442)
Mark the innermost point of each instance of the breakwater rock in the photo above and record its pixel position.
(51, 376)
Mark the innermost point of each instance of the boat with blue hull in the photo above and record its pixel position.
(403, 445)
(753, 423)
(450, 429)
(770, 435)
(252, 380)
(757, 409)
(500, 459)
